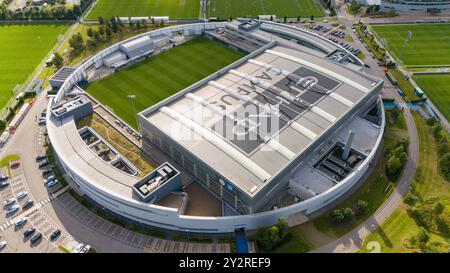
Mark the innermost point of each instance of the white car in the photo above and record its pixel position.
(3, 244)
(22, 195)
(21, 221)
(9, 201)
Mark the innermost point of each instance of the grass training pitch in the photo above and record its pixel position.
(22, 48)
(253, 8)
(172, 8)
(161, 76)
(428, 45)
(437, 88)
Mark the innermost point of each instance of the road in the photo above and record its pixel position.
(352, 241)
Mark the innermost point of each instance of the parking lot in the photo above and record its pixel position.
(147, 243)
(13, 235)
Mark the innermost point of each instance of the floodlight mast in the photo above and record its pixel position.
(408, 36)
(132, 97)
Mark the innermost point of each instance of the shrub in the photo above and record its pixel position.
(363, 207)
(422, 235)
(337, 217)
(411, 199)
(431, 121)
(349, 214)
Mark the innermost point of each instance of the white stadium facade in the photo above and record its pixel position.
(295, 117)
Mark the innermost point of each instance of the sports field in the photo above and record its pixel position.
(172, 8)
(161, 76)
(253, 8)
(428, 45)
(437, 88)
(22, 48)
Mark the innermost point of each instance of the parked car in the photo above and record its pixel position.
(12, 209)
(55, 234)
(29, 203)
(41, 157)
(3, 244)
(29, 232)
(9, 201)
(21, 222)
(22, 195)
(85, 249)
(46, 171)
(4, 184)
(43, 163)
(51, 183)
(42, 122)
(14, 164)
(3, 177)
(36, 238)
(49, 179)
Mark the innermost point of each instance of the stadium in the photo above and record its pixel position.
(288, 125)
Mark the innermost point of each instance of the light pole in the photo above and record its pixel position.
(132, 98)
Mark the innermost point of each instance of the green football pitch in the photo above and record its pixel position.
(428, 45)
(253, 8)
(172, 8)
(22, 48)
(161, 76)
(437, 88)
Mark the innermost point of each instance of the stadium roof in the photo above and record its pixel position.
(251, 121)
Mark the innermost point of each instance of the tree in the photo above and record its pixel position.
(58, 61)
(438, 208)
(337, 217)
(108, 31)
(101, 21)
(431, 121)
(444, 164)
(282, 228)
(90, 32)
(348, 214)
(76, 41)
(97, 35)
(101, 30)
(312, 17)
(285, 19)
(422, 235)
(138, 25)
(363, 207)
(393, 166)
(437, 131)
(355, 6)
(267, 238)
(131, 24)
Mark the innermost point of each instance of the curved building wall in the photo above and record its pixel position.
(169, 218)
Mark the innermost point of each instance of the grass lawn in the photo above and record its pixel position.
(172, 8)
(293, 243)
(252, 8)
(375, 190)
(428, 45)
(161, 76)
(437, 88)
(395, 231)
(22, 48)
